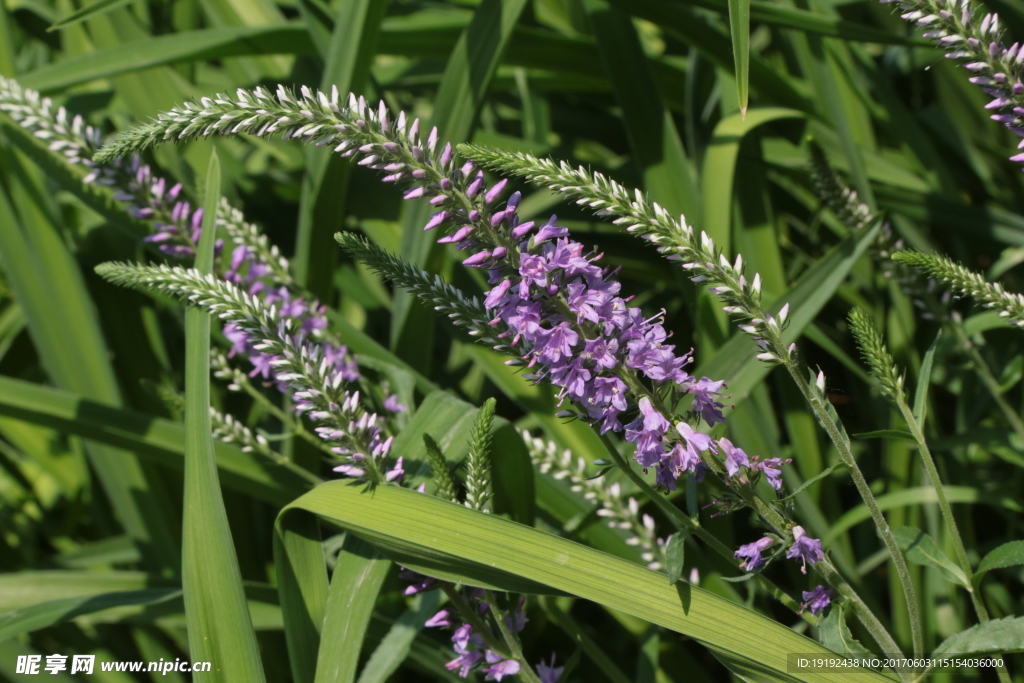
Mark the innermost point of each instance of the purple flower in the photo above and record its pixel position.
(703, 403)
(392, 404)
(442, 618)
(500, 666)
(818, 599)
(804, 547)
(751, 553)
(549, 673)
(735, 458)
(772, 468)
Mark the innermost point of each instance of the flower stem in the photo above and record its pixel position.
(688, 525)
(845, 453)
(987, 378)
(513, 645)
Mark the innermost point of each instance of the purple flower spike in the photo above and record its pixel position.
(818, 599)
(735, 458)
(751, 554)
(436, 220)
(549, 231)
(806, 548)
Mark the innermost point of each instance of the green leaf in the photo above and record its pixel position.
(675, 554)
(161, 441)
(88, 12)
(835, 634)
(996, 636)
(396, 645)
(917, 496)
(1007, 555)
(52, 612)
(739, 29)
(356, 582)
(885, 434)
(219, 626)
(920, 548)
(454, 543)
(924, 379)
(816, 478)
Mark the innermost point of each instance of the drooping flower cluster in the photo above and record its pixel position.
(817, 599)
(996, 68)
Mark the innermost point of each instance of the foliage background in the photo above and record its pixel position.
(644, 91)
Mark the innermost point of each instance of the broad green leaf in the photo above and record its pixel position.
(656, 147)
(739, 29)
(53, 612)
(397, 644)
(997, 636)
(917, 496)
(454, 543)
(1007, 555)
(356, 582)
(467, 77)
(91, 10)
(835, 634)
(153, 438)
(219, 626)
(920, 548)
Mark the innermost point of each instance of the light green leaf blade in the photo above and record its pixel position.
(356, 582)
(920, 548)
(835, 634)
(91, 10)
(219, 626)
(397, 644)
(996, 636)
(1007, 555)
(739, 29)
(453, 542)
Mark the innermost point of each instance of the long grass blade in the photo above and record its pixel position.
(219, 626)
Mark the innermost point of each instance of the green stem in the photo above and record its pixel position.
(846, 454)
(947, 514)
(525, 670)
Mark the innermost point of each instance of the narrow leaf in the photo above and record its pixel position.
(90, 11)
(885, 434)
(357, 579)
(219, 626)
(396, 645)
(924, 379)
(739, 29)
(52, 612)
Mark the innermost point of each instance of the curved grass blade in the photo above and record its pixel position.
(452, 542)
(356, 582)
(219, 626)
(397, 644)
(52, 612)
